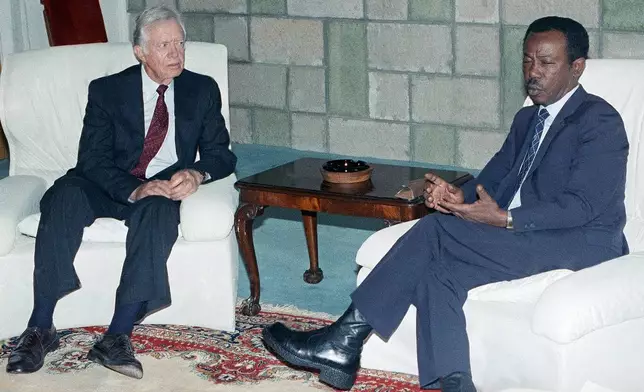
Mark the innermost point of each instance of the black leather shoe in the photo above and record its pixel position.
(457, 382)
(29, 355)
(115, 352)
(333, 350)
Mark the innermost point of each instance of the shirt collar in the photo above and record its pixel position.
(554, 108)
(150, 86)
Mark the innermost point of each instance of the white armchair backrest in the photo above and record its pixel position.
(43, 94)
(621, 83)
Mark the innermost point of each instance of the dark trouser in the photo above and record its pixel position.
(72, 204)
(438, 260)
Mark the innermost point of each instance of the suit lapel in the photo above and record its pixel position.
(132, 105)
(507, 187)
(181, 111)
(558, 124)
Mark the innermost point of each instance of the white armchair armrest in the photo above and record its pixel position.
(378, 244)
(209, 213)
(19, 197)
(587, 300)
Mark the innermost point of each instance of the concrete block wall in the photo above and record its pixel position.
(434, 81)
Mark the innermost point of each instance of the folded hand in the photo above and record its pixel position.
(152, 188)
(184, 183)
(439, 191)
(484, 210)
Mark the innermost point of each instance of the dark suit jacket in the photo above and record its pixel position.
(577, 179)
(113, 131)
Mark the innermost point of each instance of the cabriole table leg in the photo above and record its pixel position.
(314, 273)
(244, 217)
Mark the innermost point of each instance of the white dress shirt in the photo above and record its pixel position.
(167, 155)
(553, 110)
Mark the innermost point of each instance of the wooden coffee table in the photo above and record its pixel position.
(299, 185)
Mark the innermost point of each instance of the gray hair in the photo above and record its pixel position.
(151, 15)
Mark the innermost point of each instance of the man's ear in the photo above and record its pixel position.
(578, 67)
(138, 53)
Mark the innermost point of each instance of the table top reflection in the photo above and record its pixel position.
(303, 175)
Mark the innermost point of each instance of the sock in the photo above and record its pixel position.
(43, 314)
(124, 318)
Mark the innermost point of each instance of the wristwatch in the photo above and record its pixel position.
(509, 222)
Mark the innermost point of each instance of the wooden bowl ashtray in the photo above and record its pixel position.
(346, 171)
(355, 188)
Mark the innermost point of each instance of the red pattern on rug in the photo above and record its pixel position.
(221, 357)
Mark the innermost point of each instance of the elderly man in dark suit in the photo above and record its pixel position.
(552, 197)
(136, 162)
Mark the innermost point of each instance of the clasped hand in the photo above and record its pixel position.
(448, 199)
(182, 184)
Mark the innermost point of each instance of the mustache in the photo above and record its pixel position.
(532, 84)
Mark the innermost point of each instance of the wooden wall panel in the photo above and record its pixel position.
(71, 22)
(4, 150)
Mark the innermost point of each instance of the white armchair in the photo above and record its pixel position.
(43, 95)
(559, 330)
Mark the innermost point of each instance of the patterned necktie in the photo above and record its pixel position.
(155, 136)
(532, 150)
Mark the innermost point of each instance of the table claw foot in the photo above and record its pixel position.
(313, 276)
(250, 307)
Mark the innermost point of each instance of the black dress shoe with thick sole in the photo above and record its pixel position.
(33, 345)
(457, 382)
(115, 352)
(333, 350)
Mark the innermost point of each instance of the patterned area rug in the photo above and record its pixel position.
(222, 361)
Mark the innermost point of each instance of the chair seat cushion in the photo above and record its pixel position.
(525, 290)
(102, 230)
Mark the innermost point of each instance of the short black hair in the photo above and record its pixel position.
(576, 35)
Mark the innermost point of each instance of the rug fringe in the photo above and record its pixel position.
(294, 310)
